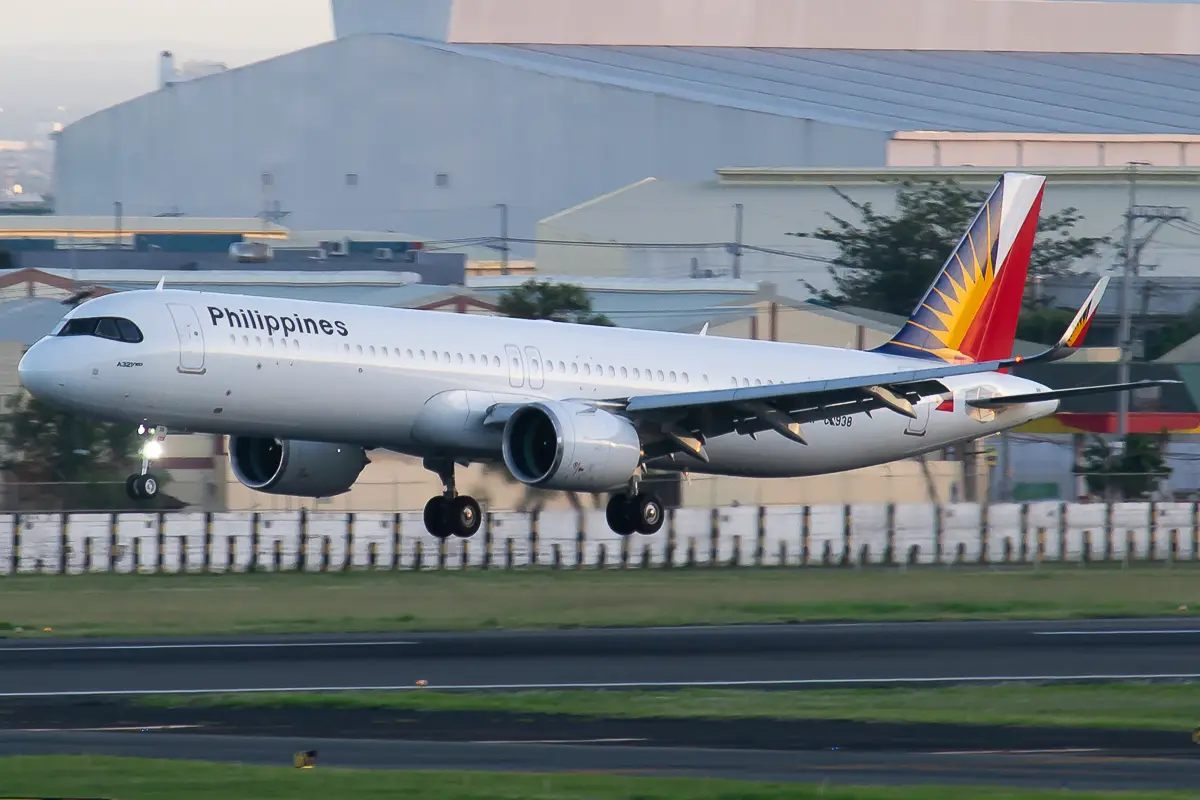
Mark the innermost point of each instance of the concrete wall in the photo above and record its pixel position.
(998, 25)
(778, 203)
(1035, 151)
(397, 114)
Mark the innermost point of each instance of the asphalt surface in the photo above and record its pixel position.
(1097, 771)
(787, 656)
(59, 696)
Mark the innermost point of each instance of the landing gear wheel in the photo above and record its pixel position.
(141, 487)
(436, 521)
(465, 516)
(647, 514)
(619, 514)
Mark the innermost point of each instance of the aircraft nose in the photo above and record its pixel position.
(35, 373)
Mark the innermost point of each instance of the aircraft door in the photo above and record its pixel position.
(534, 360)
(916, 427)
(516, 369)
(191, 338)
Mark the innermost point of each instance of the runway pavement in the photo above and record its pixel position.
(1045, 770)
(819, 655)
(53, 700)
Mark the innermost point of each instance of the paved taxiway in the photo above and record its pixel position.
(786, 655)
(1048, 770)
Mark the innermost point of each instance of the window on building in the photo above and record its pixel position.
(352, 179)
(441, 180)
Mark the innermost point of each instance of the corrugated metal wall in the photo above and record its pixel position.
(434, 140)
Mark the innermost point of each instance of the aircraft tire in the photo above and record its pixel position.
(620, 514)
(464, 516)
(436, 518)
(647, 513)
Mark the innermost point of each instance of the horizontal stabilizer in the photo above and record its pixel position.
(1055, 394)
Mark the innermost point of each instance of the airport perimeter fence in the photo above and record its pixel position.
(814, 536)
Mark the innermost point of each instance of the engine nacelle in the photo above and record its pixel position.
(301, 469)
(570, 447)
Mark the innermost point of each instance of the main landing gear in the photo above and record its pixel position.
(634, 512)
(143, 485)
(450, 514)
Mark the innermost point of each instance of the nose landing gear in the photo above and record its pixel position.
(143, 485)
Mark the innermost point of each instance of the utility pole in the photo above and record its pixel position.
(503, 237)
(737, 241)
(1133, 247)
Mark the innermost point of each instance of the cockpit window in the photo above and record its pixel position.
(115, 328)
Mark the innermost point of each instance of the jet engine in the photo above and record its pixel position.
(571, 447)
(301, 469)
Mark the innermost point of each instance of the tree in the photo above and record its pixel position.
(886, 263)
(66, 462)
(1132, 474)
(560, 302)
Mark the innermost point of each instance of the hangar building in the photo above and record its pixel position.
(427, 114)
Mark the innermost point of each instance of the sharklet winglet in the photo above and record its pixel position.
(161, 281)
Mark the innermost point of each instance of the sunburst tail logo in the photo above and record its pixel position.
(970, 312)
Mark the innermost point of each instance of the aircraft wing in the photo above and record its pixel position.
(687, 419)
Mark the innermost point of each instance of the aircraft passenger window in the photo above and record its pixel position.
(587, 369)
(611, 372)
(705, 378)
(408, 353)
(660, 375)
(129, 332)
(562, 367)
(358, 347)
(637, 374)
(346, 347)
(372, 350)
(495, 361)
(246, 341)
(672, 377)
(745, 381)
(534, 364)
(549, 366)
(434, 354)
(446, 356)
(624, 372)
(258, 341)
(574, 368)
(232, 339)
(685, 377)
(757, 382)
(472, 358)
(422, 355)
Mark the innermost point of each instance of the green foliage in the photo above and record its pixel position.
(886, 263)
(1043, 325)
(62, 461)
(1132, 474)
(1160, 341)
(560, 302)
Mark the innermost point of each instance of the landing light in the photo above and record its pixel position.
(152, 450)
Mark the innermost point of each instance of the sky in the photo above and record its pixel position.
(85, 55)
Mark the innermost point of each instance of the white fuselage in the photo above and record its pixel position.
(421, 382)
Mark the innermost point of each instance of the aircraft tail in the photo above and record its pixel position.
(970, 312)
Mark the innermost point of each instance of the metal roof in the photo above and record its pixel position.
(894, 89)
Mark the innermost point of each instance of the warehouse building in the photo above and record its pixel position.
(451, 116)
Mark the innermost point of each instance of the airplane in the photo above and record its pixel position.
(306, 389)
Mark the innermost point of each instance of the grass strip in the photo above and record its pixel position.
(134, 605)
(1169, 707)
(145, 779)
